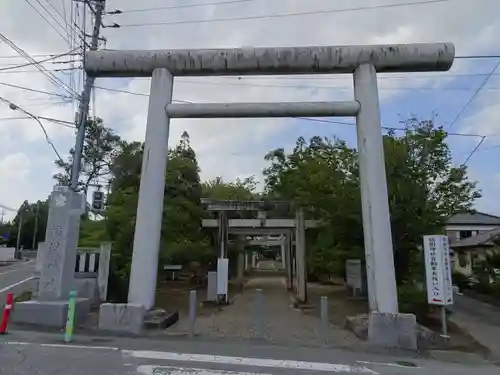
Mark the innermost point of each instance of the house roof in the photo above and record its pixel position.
(477, 218)
(482, 239)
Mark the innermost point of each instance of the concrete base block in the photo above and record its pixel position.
(49, 313)
(122, 317)
(393, 330)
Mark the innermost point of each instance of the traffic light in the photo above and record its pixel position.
(98, 201)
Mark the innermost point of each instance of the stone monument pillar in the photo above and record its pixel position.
(57, 269)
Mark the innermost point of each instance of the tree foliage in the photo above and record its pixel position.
(424, 189)
(241, 189)
(100, 147)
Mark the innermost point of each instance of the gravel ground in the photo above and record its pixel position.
(283, 324)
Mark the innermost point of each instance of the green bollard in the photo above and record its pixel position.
(70, 321)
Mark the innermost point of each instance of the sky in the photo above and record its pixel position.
(465, 100)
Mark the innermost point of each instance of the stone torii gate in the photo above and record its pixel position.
(294, 256)
(386, 326)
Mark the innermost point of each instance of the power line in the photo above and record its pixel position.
(199, 5)
(295, 14)
(36, 71)
(383, 127)
(132, 93)
(47, 21)
(321, 87)
(7, 208)
(66, 124)
(34, 62)
(56, 81)
(298, 118)
(14, 106)
(473, 151)
(480, 87)
(35, 90)
(40, 55)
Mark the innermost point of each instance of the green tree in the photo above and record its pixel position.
(238, 190)
(424, 189)
(182, 241)
(100, 147)
(33, 215)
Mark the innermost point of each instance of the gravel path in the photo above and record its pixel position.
(283, 323)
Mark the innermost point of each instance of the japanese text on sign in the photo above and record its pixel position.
(438, 270)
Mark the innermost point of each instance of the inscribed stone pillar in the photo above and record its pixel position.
(61, 240)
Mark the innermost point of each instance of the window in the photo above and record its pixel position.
(465, 234)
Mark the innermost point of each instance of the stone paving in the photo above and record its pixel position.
(283, 324)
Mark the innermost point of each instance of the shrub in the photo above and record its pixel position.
(413, 300)
(461, 280)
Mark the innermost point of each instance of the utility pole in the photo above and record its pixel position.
(20, 228)
(83, 109)
(35, 229)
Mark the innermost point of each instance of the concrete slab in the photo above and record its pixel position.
(122, 317)
(393, 330)
(49, 313)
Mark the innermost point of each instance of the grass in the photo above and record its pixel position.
(25, 296)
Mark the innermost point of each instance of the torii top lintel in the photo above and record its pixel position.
(261, 61)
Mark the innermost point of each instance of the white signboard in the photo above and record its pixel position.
(222, 275)
(438, 270)
(353, 273)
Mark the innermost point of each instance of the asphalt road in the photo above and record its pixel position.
(19, 271)
(27, 353)
(13, 276)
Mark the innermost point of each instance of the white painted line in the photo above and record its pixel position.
(389, 365)
(257, 362)
(70, 346)
(79, 346)
(8, 288)
(162, 370)
(17, 343)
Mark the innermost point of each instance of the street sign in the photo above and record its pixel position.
(438, 270)
(98, 201)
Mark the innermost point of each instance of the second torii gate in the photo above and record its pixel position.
(386, 326)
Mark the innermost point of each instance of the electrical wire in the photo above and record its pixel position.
(478, 90)
(47, 21)
(56, 81)
(133, 93)
(35, 90)
(321, 87)
(34, 62)
(66, 124)
(36, 71)
(298, 118)
(47, 138)
(39, 55)
(198, 5)
(7, 208)
(294, 14)
(474, 151)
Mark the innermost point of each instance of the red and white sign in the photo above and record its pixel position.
(438, 270)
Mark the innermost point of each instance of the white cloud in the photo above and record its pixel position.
(225, 147)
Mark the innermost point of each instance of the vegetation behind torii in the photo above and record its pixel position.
(320, 174)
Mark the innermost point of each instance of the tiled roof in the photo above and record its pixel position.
(477, 218)
(482, 239)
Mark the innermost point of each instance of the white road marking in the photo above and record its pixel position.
(162, 370)
(80, 346)
(389, 364)
(69, 346)
(22, 267)
(9, 287)
(257, 362)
